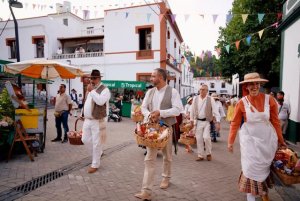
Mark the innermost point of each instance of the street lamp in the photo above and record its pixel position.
(16, 4)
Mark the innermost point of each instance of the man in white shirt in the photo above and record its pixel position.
(160, 103)
(95, 112)
(203, 111)
(283, 111)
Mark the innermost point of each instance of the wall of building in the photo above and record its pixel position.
(197, 82)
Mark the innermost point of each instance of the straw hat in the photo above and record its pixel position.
(215, 96)
(189, 99)
(253, 77)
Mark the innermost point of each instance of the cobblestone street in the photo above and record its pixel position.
(121, 171)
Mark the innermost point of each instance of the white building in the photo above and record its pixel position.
(290, 65)
(215, 85)
(125, 45)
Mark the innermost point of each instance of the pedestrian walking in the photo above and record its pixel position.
(95, 112)
(186, 116)
(259, 137)
(74, 99)
(63, 106)
(203, 111)
(283, 112)
(161, 102)
(217, 124)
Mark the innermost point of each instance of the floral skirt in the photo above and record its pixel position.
(247, 185)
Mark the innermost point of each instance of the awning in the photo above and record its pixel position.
(113, 84)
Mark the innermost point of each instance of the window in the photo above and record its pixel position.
(223, 85)
(145, 39)
(11, 43)
(65, 21)
(39, 45)
(144, 77)
(212, 85)
(145, 42)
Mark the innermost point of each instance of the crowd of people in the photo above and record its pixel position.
(260, 119)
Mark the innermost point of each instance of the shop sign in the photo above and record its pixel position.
(124, 84)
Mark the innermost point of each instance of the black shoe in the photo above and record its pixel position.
(65, 140)
(56, 140)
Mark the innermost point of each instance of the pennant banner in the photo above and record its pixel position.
(260, 33)
(215, 18)
(248, 40)
(186, 17)
(244, 17)
(228, 18)
(237, 44)
(148, 16)
(227, 48)
(260, 17)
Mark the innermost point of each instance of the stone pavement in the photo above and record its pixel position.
(121, 172)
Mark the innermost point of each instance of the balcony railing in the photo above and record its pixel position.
(89, 32)
(77, 55)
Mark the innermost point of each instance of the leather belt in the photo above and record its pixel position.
(204, 119)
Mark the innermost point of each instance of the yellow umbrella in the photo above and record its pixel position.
(45, 69)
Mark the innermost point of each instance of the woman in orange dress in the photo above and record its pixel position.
(259, 137)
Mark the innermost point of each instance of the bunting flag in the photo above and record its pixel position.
(215, 18)
(244, 17)
(260, 17)
(186, 17)
(275, 24)
(126, 14)
(260, 33)
(237, 44)
(173, 16)
(227, 48)
(228, 18)
(148, 16)
(248, 39)
(201, 15)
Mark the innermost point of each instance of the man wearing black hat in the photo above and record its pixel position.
(94, 112)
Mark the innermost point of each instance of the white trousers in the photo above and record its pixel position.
(91, 139)
(150, 160)
(203, 135)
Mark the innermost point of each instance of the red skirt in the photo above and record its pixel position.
(247, 185)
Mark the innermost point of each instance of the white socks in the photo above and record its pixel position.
(250, 197)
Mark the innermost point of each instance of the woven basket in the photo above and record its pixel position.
(153, 143)
(286, 179)
(137, 118)
(184, 128)
(187, 140)
(76, 140)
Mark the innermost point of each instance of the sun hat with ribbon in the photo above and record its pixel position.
(253, 77)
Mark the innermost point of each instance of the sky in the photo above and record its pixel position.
(194, 17)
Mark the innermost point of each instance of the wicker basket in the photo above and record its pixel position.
(185, 128)
(153, 143)
(187, 140)
(286, 179)
(137, 118)
(75, 140)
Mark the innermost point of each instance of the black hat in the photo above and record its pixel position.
(95, 73)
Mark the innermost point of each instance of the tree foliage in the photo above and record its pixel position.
(204, 66)
(262, 55)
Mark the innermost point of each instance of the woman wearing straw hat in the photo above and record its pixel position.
(259, 137)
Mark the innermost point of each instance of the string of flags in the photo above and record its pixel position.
(247, 39)
(97, 8)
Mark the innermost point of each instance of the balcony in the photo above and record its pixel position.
(92, 32)
(77, 55)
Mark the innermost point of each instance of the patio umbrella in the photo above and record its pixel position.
(45, 69)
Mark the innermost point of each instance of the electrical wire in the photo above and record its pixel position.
(5, 26)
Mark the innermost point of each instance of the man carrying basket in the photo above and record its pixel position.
(95, 111)
(161, 102)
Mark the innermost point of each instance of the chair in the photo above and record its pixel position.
(22, 136)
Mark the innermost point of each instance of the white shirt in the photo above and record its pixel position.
(220, 110)
(187, 108)
(99, 99)
(283, 111)
(59, 51)
(175, 110)
(201, 108)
